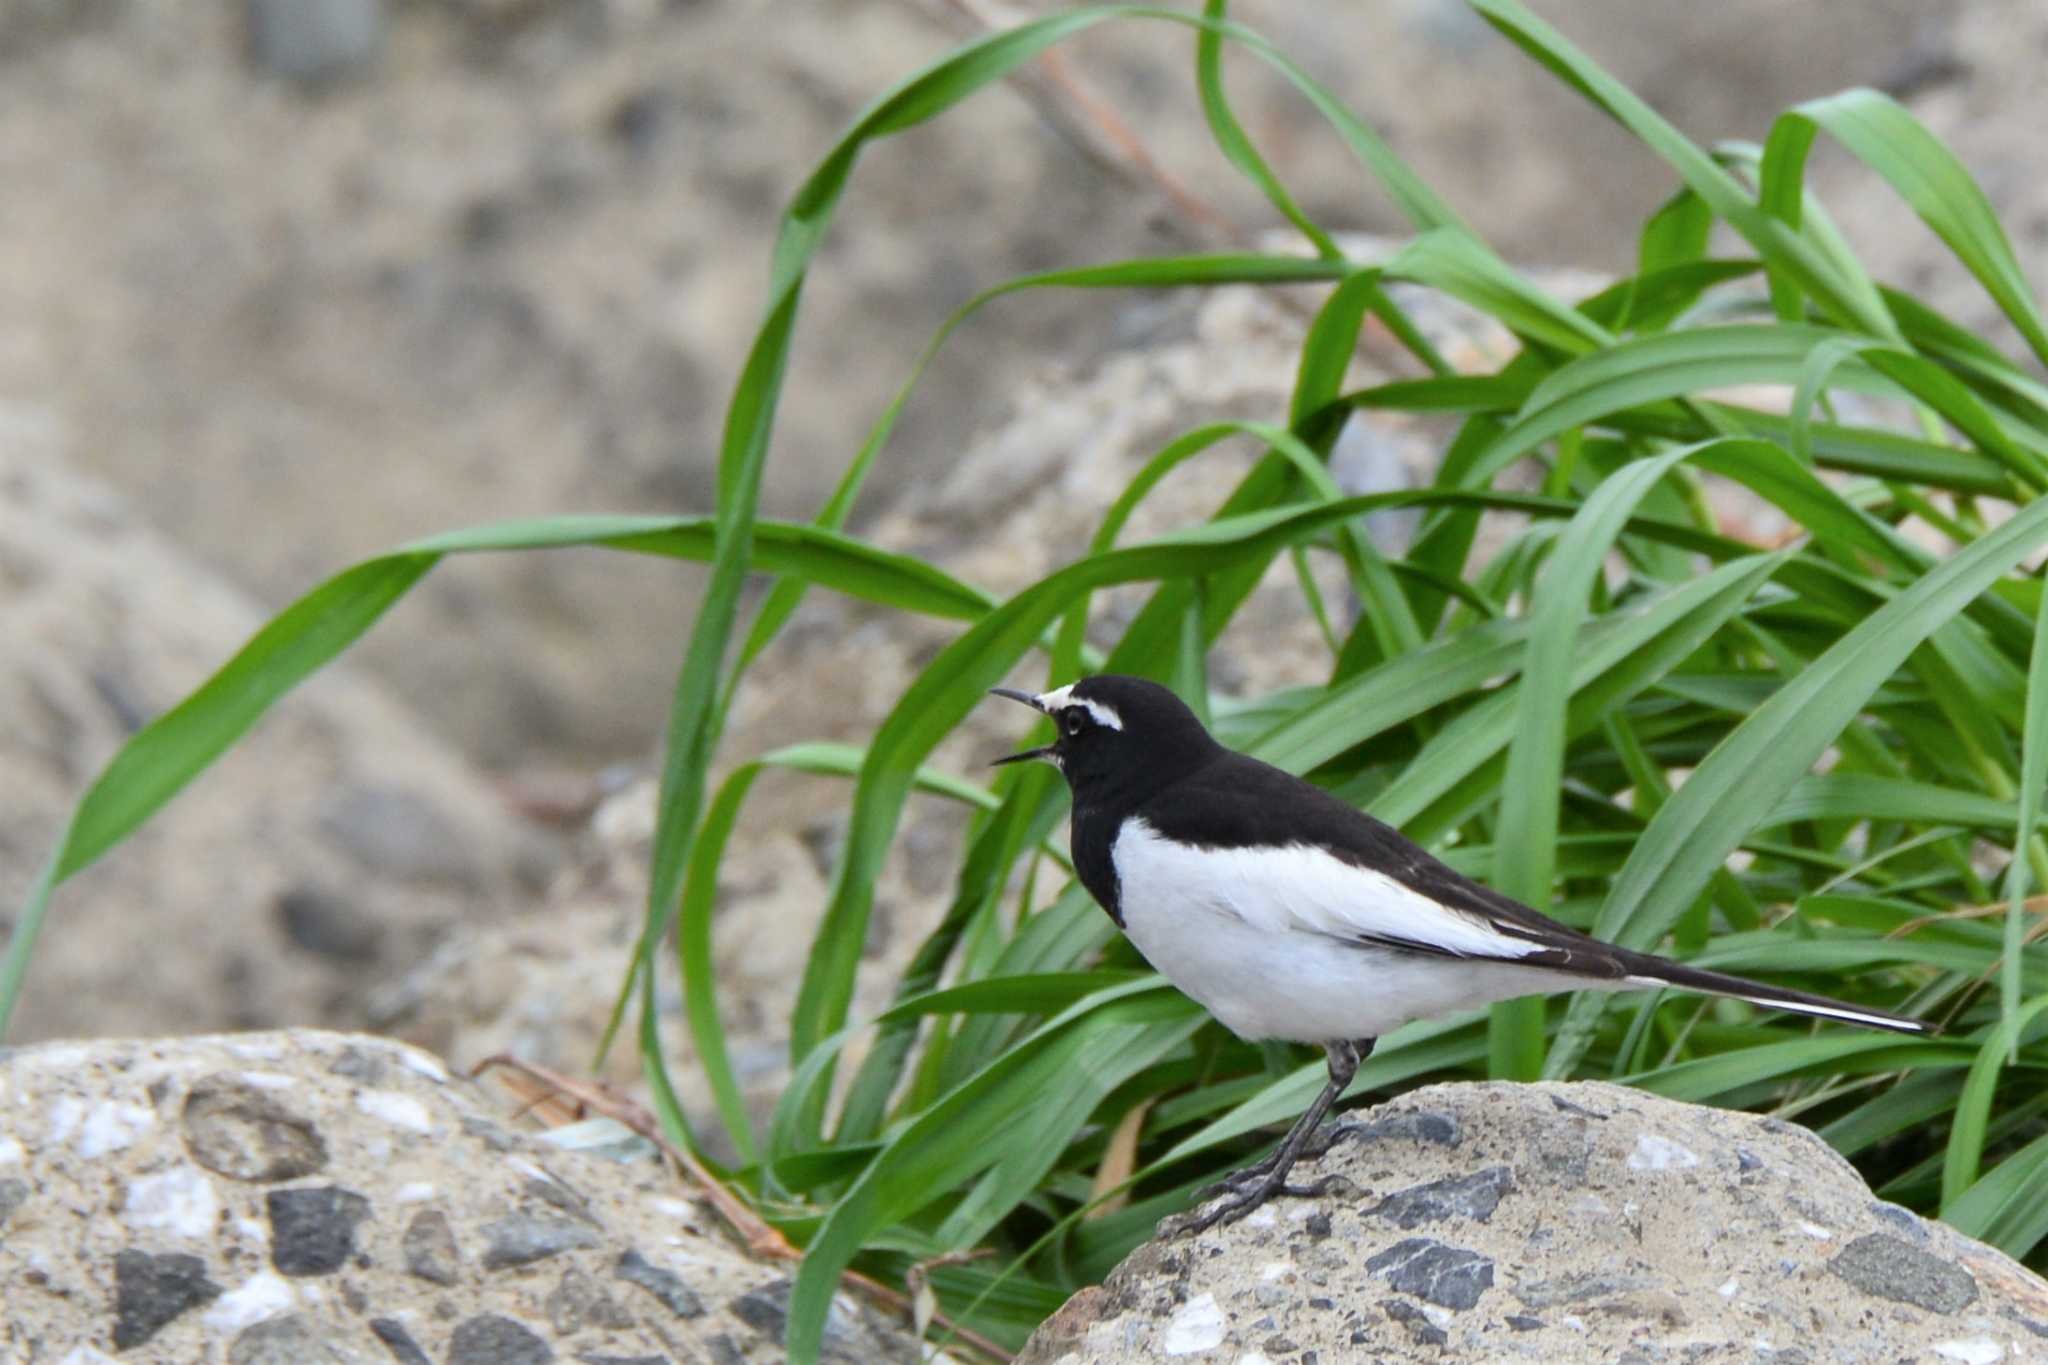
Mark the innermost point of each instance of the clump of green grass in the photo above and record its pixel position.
(1820, 762)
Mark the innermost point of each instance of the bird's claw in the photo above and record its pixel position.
(1238, 1193)
(1243, 1197)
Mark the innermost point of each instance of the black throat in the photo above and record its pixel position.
(1102, 802)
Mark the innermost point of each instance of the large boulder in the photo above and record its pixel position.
(338, 841)
(1576, 1222)
(301, 1197)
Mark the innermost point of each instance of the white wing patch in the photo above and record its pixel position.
(1302, 888)
(1060, 698)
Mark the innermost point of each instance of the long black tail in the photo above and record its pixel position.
(1645, 969)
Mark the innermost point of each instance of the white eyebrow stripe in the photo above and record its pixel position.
(1062, 697)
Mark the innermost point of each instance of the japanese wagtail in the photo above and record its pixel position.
(1287, 913)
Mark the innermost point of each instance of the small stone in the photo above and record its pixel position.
(313, 1230)
(1198, 1325)
(665, 1285)
(489, 1339)
(1421, 1330)
(179, 1199)
(577, 1302)
(240, 1131)
(430, 1251)
(395, 832)
(1655, 1152)
(1905, 1220)
(764, 1310)
(151, 1291)
(314, 41)
(1472, 1196)
(291, 1339)
(1522, 1322)
(561, 1196)
(1579, 1288)
(1439, 1129)
(329, 926)
(398, 1341)
(489, 1134)
(396, 1108)
(1317, 1225)
(359, 1065)
(13, 1194)
(1891, 1268)
(524, 1238)
(1429, 1270)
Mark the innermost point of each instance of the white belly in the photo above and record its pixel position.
(1257, 938)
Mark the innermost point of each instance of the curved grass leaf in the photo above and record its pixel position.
(162, 757)
(1884, 135)
(1749, 771)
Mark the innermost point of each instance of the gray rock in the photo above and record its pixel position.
(241, 1131)
(314, 41)
(109, 1179)
(1880, 1264)
(1565, 1223)
(397, 831)
(1441, 1129)
(1472, 1196)
(523, 1238)
(359, 1065)
(1421, 1330)
(665, 1285)
(313, 1230)
(766, 1310)
(579, 1302)
(13, 1194)
(491, 1339)
(329, 925)
(150, 1292)
(398, 1342)
(430, 1251)
(1578, 1289)
(1446, 1275)
(293, 1339)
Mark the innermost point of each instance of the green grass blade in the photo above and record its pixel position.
(1962, 1161)
(1013, 1117)
(1528, 827)
(2009, 1207)
(1884, 135)
(1748, 772)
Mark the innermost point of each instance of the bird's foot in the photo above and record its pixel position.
(1318, 1145)
(1243, 1192)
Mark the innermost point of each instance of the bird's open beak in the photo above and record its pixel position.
(1027, 699)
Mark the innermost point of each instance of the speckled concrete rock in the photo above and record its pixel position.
(337, 841)
(306, 1198)
(1578, 1222)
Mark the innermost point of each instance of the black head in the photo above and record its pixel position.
(1119, 738)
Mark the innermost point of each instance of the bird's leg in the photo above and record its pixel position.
(1257, 1183)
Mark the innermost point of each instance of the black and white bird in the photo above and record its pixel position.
(1289, 914)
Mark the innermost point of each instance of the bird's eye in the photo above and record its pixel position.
(1072, 722)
